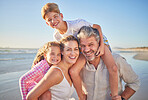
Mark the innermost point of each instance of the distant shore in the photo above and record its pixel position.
(142, 52)
(132, 49)
(141, 56)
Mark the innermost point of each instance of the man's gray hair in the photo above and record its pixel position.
(87, 31)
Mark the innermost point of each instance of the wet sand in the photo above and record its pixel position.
(9, 86)
(141, 56)
(142, 53)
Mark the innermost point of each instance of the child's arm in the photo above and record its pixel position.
(112, 69)
(101, 48)
(30, 75)
(23, 88)
(109, 62)
(75, 75)
(23, 83)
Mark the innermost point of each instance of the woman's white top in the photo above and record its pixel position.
(63, 90)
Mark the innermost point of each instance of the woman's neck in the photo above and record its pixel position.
(63, 64)
(63, 28)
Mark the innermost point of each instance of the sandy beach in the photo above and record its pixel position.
(141, 52)
(141, 56)
(9, 75)
(9, 86)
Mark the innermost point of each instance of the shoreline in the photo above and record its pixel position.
(141, 56)
(142, 53)
(132, 49)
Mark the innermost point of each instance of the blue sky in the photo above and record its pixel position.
(124, 22)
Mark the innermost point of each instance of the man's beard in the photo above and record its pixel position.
(90, 59)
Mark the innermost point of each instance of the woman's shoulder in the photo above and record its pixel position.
(56, 71)
(54, 75)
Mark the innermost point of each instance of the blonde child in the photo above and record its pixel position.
(54, 18)
(48, 55)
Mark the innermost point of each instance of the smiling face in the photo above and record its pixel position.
(89, 47)
(54, 19)
(53, 56)
(70, 52)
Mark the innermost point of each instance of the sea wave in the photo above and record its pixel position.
(7, 59)
(16, 51)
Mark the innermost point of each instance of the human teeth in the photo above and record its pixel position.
(55, 24)
(88, 53)
(72, 57)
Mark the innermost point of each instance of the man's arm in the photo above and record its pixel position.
(129, 76)
(127, 93)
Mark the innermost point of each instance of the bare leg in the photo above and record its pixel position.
(45, 96)
(75, 75)
(113, 73)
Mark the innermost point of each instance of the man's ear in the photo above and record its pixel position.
(47, 23)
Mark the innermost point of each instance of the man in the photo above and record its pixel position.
(95, 74)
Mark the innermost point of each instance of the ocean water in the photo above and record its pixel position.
(15, 62)
(141, 69)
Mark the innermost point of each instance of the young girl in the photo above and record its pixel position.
(57, 79)
(48, 55)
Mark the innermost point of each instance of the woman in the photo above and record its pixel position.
(57, 79)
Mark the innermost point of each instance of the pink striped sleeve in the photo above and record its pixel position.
(30, 78)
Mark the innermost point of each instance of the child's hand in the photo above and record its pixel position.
(100, 50)
(117, 97)
(84, 97)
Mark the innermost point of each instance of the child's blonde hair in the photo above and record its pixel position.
(49, 7)
(43, 50)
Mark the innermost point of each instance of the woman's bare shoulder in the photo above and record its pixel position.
(54, 72)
